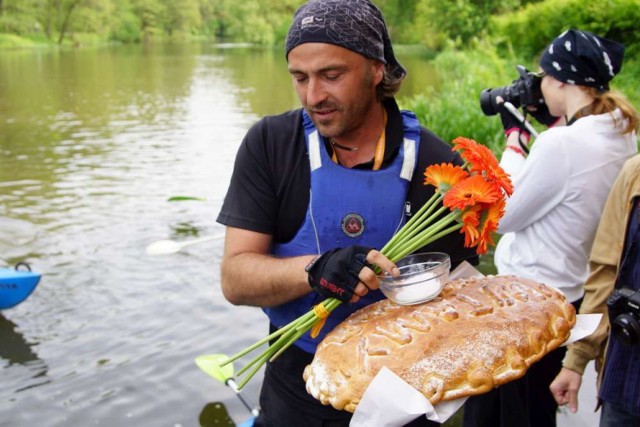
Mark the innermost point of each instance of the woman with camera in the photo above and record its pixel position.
(614, 282)
(560, 188)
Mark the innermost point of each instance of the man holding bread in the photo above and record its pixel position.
(316, 191)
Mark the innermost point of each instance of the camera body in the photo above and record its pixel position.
(624, 315)
(524, 91)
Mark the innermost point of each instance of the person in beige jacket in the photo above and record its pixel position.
(614, 263)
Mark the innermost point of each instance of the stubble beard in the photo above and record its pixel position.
(350, 117)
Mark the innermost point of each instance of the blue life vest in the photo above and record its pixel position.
(347, 207)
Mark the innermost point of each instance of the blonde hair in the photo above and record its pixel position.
(607, 102)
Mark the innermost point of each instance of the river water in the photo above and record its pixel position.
(92, 144)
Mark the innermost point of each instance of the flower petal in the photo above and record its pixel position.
(470, 191)
(482, 160)
(444, 176)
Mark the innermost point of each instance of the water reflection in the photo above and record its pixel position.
(93, 143)
(13, 346)
(15, 349)
(215, 414)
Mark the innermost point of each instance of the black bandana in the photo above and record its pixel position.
(582, 58)
(356, 25)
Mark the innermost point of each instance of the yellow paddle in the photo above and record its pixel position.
(210, 364)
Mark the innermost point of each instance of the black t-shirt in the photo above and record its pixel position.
(269, 190)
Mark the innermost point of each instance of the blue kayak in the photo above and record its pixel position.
(16, 284)
(247, 423)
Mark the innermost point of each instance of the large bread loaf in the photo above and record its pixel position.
(477, 335)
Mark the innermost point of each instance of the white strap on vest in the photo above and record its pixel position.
(409, 163)
(314, 150)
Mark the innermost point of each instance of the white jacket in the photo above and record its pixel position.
(559, 193)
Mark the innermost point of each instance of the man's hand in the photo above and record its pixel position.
(347, 273)
(565, 387)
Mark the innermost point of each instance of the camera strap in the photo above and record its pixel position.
(583, 112)
(524, 146)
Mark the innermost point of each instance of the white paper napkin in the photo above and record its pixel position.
(586, 324)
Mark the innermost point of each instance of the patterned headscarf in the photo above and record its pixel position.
(356, 25)
(582, 58)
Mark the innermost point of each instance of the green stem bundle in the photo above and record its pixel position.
(286, 336)
(423, 228)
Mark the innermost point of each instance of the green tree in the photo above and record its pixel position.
(125, 24)
(19, 17)
(181, 16)
(149, 13)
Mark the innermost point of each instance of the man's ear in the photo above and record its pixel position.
(378, 72)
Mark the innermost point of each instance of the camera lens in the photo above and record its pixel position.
(487, 103)
(626, 328)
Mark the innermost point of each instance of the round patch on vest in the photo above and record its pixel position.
(353, 225)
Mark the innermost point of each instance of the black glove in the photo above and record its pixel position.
(542, 115)
(334, 274)
(511, 124)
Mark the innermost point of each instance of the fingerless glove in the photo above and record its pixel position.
(334, 274)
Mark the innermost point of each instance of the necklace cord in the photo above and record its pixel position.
(380, 146)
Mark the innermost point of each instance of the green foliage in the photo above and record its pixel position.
(438, 24)
(127, 28)
(627, 81)
(530, 29)
(19, 17)
(9, 41)
(453, 109)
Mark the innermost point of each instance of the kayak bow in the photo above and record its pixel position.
(16, 284)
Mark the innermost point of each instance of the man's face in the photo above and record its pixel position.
(335, 85)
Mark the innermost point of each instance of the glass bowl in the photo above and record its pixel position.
(422, 277)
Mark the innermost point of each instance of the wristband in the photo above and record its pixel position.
(521, 132)
(516, 149)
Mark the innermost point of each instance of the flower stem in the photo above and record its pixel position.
(415, 221)
(287, 335)
(265, 340)
(424, 226)
(413, 244)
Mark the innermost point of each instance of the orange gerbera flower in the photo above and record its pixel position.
(444, 176)
(489, 221)
(470, 222)
(483, 161)
(471, 191)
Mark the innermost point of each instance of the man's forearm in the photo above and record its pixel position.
(262, 280)
(598, 287)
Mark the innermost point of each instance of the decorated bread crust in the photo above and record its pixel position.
(477, 335)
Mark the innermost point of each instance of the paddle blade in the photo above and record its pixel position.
(210, 364)
(183, 198)
(163, 247)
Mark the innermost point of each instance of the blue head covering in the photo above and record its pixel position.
(356, 25)
(582, 58)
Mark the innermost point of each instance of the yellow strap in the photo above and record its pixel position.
(380, 146)
(315, 330)
(320, 311)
